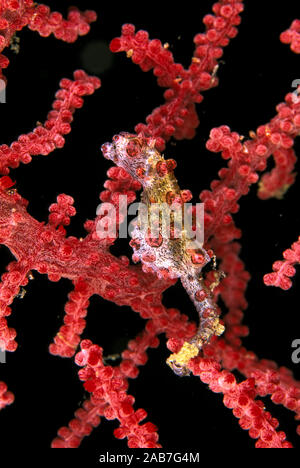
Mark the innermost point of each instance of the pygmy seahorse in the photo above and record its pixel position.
(168, 253)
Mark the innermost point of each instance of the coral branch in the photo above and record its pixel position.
(119, 193)
(269, 380)
(292, 36)
(16, 14)
(245, 160)
(53, 254)
(16, 277)
(178, 116)
(241, 398)
(232, 290)
(46, 138)
(86, 418)
(284, 269)
(68, 337)
(109, 387)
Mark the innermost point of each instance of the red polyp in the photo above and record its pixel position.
(154, 239)
(115, 45)
(207, 313)
(148, 257)
(171, 164)
(161, 168)
(140, 172)
(198, 258)
(201, 295)
(170, 197)
(186, 195)
(133, 148)
(135, 244)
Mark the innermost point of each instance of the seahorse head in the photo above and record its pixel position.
(132, 152)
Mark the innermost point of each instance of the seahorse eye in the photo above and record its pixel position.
(133, 148)
(116, 138)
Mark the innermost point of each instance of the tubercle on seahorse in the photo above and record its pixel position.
(167, 253)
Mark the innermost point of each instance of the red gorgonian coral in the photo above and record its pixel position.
(93, 268)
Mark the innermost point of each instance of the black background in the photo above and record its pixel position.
(255, 74)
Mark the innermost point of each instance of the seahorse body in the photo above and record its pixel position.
(165, 246)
